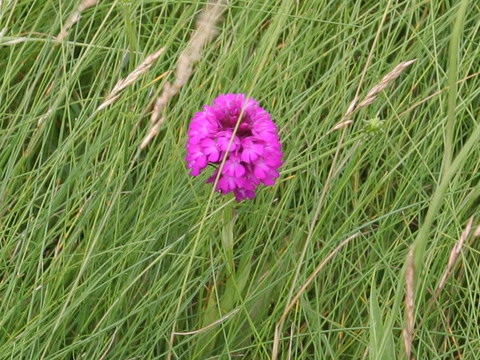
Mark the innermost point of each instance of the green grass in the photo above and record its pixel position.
(105, 250)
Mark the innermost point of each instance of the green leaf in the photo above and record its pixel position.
(382, 346)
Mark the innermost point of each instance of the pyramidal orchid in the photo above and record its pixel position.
(255, 153)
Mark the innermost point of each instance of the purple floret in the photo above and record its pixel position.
(255, 154)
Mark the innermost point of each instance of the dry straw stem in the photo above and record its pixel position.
(204, 33)
(14, 41)
(351, 108)
(119, 86)
(154, 129)
(477, 232)
(409, 303)
(44, 117)
(453, 257)
(279, 326)
(74, 18)
(387, 79)
(372, 94)
(340, 125)
(11, 40)
(131, 78)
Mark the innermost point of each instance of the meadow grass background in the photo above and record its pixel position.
(107, 250)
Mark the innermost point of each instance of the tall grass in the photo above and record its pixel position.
(112, 252)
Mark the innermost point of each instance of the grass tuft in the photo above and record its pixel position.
(109, 251)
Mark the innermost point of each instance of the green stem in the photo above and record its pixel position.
(422, 237)
(452, 83)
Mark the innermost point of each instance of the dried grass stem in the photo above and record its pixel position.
(372, 94)
(409, 303)
(74, 18)
(204, 33)
(387, 79)
(131, 78)
(454, 253)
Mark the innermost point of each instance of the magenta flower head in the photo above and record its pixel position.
(255, 154)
